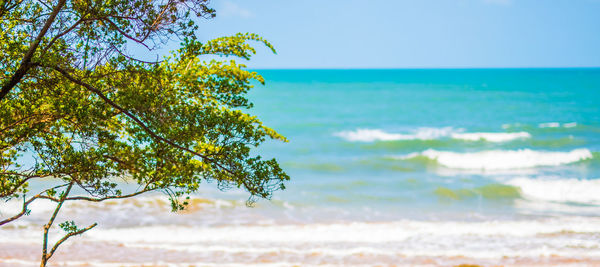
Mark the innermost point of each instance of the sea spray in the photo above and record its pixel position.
(501, 159)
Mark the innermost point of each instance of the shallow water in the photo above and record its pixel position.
(388, 167)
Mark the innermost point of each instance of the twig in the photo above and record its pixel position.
(25, 63)
(20, 214)
(45, 255)
(62, 34)
(59, 242)
(91, 199)
(26, 203)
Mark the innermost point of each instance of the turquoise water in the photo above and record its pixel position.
(389, 168)
(414, 143)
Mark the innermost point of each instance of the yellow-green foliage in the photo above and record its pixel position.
(86, 111)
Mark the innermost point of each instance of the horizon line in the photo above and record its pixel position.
(436, 68)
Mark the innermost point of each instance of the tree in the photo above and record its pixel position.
(84, 110)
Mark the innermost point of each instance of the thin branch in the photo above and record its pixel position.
(62, 34)
(92, 199)
(59, 242)
(26, 62)
(20, 183)
(64, 195)
(44, 117)
(46, 5)
(20, 214)
(7, 9)
(135, 59)
(135, 119)
(157, 20)
(26, 204)
(139, 41)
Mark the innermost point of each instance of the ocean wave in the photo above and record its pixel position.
(501, 159)
(344, 232)
(544, 127)
(559, 190)
(371, 135)
(557, 125)
(347, 244)
(491, 137)
(148, 209)
(549, 125)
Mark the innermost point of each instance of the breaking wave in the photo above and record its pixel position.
(371, 135)
(491, 137)
(557, 125)
(559, 190)
(501, 159)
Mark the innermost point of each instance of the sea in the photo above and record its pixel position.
(406, 167)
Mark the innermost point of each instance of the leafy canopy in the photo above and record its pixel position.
(84, 110)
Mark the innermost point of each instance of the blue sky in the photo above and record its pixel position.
(416, 33)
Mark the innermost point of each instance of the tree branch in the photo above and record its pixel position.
(59, 242)
(26, 62)
(26, 203)
(19, 184)
(62, 34)
(116, 27)
(135, 59)
(92, 199)
(64, 195)
(20, 214)
(6, 9)
(135, 119)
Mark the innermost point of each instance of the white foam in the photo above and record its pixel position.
(557, 124)
(559, 190)
(502, 159)
(491, 137)
(549, 125)
(357, 232)
(343, 243)
(370, 135)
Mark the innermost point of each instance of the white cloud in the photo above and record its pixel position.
(231, 9)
